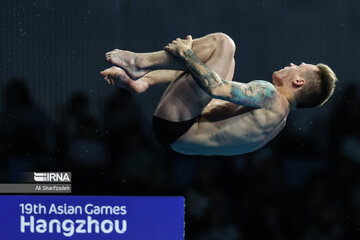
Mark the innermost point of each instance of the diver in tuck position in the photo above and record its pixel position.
(203, 112)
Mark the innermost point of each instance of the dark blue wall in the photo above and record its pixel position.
(58, 46)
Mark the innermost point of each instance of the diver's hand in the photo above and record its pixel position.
(179, 46)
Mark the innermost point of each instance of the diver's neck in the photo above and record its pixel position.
(288, 96)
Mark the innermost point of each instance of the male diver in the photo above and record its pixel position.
(204, 112)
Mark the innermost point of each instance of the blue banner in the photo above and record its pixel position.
(91, 217)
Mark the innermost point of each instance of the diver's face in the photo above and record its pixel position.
(291, 73)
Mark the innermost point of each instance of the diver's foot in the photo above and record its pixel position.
(119, 78)
(129, 61)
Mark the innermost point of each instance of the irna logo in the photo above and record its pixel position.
(52, 177)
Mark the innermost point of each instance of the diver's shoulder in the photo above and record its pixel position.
(263, 83)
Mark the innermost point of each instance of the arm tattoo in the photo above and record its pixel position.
(253, 94)
(206, 78)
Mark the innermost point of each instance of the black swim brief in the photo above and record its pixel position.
(167, 132)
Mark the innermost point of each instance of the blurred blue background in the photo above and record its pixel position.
(58, 114)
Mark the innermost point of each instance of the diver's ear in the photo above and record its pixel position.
(299, 82)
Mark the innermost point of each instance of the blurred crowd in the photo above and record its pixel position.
(301, 186)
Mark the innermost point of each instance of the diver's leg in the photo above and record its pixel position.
(184, 99)
(119, 78)
(137, 65)
(204, 47)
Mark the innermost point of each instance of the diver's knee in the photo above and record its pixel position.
(224, 41)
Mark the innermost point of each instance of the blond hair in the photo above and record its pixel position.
(319, 87)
